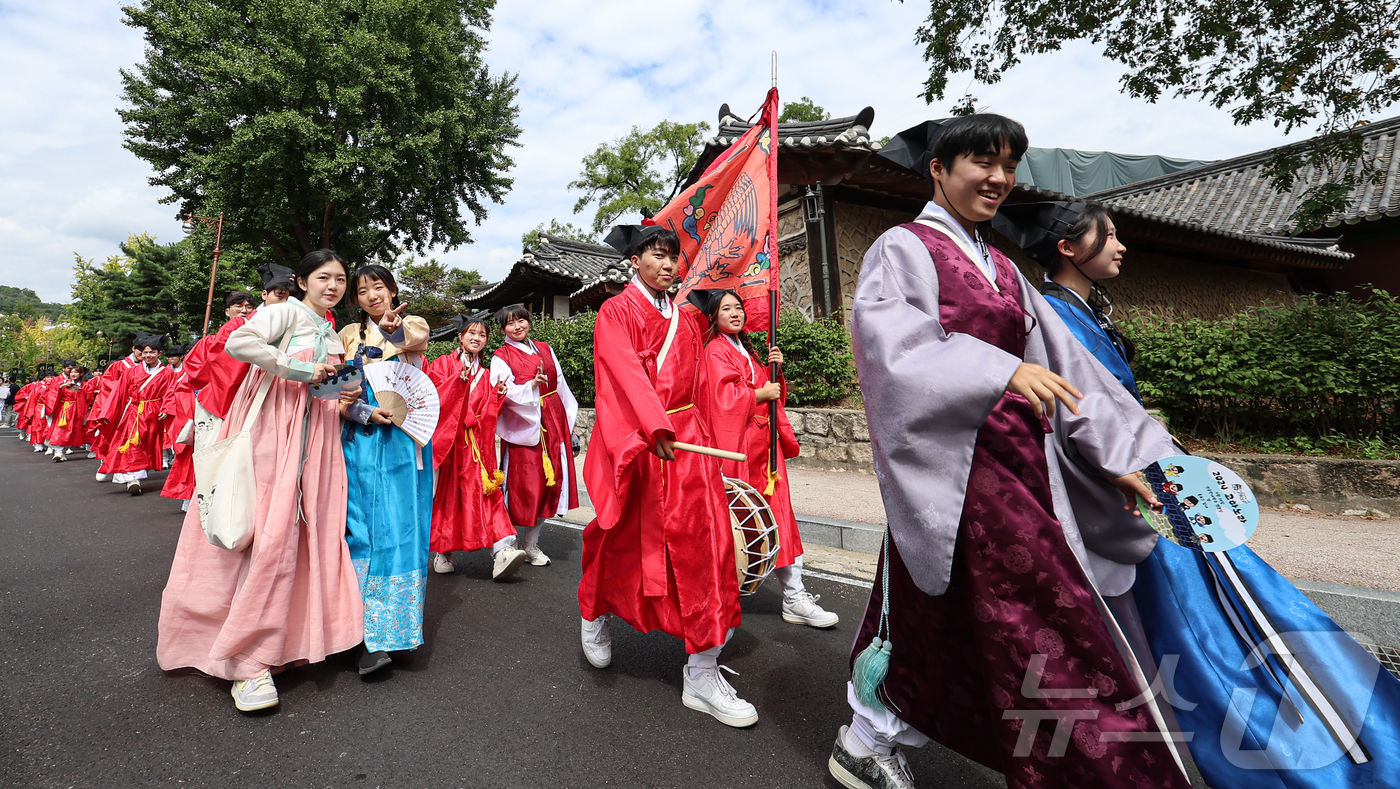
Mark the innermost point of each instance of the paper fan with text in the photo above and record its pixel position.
(409, 394)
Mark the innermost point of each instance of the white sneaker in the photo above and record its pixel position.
(38, 448)
(257, 693)
(103, 477)
(710, 693)
(857, 767)
(59, 458)
(597, 641)
(134, 488)
(92, 456)
(535, 556)
(507, 561)
(442, 564)
(805, 611)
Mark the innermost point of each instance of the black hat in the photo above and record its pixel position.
(69, 363)
(1036, 227)
(706, 299)
(627, 239)
(144, 340)
(461, 322)
(178, 350)
(913, 147)
(276, 277)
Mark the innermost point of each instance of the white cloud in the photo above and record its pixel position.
(588, 72)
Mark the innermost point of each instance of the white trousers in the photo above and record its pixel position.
(880, 730)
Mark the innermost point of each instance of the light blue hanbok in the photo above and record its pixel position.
(389, 517)
(1324, 716)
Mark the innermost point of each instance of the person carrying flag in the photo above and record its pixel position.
(660, 553)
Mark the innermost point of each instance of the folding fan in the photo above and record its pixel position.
(408, 394)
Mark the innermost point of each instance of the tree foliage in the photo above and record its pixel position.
(434, 290)
(26, 302)
(804, 110)
(1329, 64)
(26, 343)
(567, 230)
(639, 172)
(353, 124)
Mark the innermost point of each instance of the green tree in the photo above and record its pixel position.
(14, 300)
(434, 290)
(639, 172)
(355, 124)
(567, 230)
(1329, 63)
(804, 110)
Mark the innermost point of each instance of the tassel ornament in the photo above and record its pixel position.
(873, 663)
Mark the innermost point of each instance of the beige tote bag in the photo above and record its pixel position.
(225, 487)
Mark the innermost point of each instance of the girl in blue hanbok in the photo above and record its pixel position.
(1319, 711)
(389, 518)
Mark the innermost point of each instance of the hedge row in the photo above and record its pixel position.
(819, 365)
(1327, 366)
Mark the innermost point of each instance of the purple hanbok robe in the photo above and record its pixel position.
(995, 594)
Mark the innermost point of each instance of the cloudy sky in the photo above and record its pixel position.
(588, 72)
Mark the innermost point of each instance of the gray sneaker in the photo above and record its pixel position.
(872, 771)
(257, 693)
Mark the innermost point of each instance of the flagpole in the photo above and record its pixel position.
(774, 271)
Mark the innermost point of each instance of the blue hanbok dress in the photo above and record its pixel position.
(389, 517)
(1331, 722)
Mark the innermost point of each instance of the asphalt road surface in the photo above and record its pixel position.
(499, 696)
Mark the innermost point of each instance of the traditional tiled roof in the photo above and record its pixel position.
(554, 261)
(1306, 253)
(618, 272)
(1233, 195)
(849, 136)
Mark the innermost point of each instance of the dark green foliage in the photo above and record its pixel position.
(360, 125)
(639, 172)
(818, 363)
(1325, 64)
(25, 302)
(558, 229)
(1327, 369)
(434, 290)
(804, 110)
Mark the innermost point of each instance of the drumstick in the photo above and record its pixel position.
(711, 451)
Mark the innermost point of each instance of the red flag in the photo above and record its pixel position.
(728, 221)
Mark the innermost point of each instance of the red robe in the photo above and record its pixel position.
(70, 409)
(110, 385)
(740, 424)
(660, 553)
(41, 408)
(529, 496)
(177, 411)
(22, 401)
(214, 375)
(136, 442)
(465, 517)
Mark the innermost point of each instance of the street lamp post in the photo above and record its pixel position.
(217, 225)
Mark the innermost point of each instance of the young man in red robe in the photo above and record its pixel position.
(177, 429)
(109, 386)
(660, 553)
(137, 442)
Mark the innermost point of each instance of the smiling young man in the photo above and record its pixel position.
(660, 553)
(1007, 524)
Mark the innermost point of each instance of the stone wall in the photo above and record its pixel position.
(857, 227)
(793, 263)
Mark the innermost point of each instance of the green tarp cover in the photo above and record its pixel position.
(1079, 173)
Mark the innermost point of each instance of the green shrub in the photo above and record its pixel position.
(1325, 368)
(817, 358)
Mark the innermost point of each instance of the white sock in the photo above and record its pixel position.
(502, 544)
(791, 579)
(529, 536)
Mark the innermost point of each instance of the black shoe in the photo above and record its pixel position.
(371, 662)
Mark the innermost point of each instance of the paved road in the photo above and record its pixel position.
(500, 695)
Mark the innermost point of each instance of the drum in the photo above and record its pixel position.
(755, 534)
